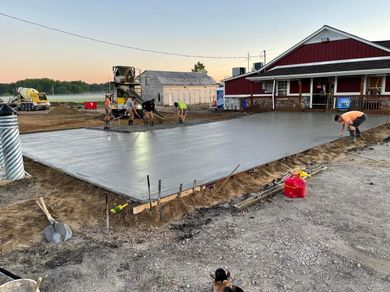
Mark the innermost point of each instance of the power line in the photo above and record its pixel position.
(120, 45)
(226, 63)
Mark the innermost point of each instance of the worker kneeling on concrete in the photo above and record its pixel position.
(130, 109)
(181, 110)
(352, 120)
(149, 109)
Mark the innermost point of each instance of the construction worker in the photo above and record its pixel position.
(181, 109)
(351, 120)
(149, 109)
(107, 108)
(130, 109)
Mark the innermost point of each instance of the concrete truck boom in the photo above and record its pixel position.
(30, 99)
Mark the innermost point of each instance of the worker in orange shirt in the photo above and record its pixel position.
(107, 107)
(351, 120)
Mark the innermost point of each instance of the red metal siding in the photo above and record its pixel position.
(348, 84)
(242, 86)
(294, 86)
(331, 51)
(387, 86)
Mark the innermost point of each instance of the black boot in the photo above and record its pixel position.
(358, 134)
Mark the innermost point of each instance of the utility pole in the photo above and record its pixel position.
(264, 55)
(248, 61)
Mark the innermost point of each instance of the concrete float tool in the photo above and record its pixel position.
(109, 123)
(158, 116)
(56, 231)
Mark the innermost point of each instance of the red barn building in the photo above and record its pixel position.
(315, 74)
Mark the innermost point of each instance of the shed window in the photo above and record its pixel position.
(282, 88)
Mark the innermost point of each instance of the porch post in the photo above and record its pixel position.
(311, 93)
(336, 80)
(252, 104)
(300, 94)
(273, 95)
(361, 93)
(361, 85)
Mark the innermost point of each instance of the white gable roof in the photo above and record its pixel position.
(324, 32)
(328, 34)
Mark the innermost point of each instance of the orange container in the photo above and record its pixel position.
(294, 187)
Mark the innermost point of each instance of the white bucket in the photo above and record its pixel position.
(20, 285)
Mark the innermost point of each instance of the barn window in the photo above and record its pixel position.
(159, 97)
(374, 85)
(282, 88)
(267, 86)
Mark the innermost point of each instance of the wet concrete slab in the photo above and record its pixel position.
(120, 162)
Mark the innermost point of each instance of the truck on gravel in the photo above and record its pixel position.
(29, 99)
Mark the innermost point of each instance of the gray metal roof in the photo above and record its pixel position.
(385, 44)
(332, 69)
(181, 78)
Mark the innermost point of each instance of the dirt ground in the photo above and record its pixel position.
(69, 116)
(337, 239)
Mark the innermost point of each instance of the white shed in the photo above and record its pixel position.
(168, 87)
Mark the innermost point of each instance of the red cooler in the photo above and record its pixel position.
(295, 187)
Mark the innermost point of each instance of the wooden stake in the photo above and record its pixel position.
(107, 215)
(164, 200)
(159, 193)
(150, 199)
(230, 175)
(180, 190)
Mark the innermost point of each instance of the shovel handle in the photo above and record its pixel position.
(42, 205)
(36, 287)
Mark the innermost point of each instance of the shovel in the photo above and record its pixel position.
(56, 231)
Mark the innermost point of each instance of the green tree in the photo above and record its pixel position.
(46, 84)
(199, 67)
(62, 89)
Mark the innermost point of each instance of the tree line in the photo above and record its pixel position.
(49, 86)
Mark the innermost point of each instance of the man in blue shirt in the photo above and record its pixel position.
(130, 108)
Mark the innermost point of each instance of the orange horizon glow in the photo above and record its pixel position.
(222, 29)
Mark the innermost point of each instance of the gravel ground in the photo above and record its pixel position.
(336, 239)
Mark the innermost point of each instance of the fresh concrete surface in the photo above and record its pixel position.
(336, 239)
(120, 162)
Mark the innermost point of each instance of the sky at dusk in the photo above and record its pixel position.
(211, 28)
